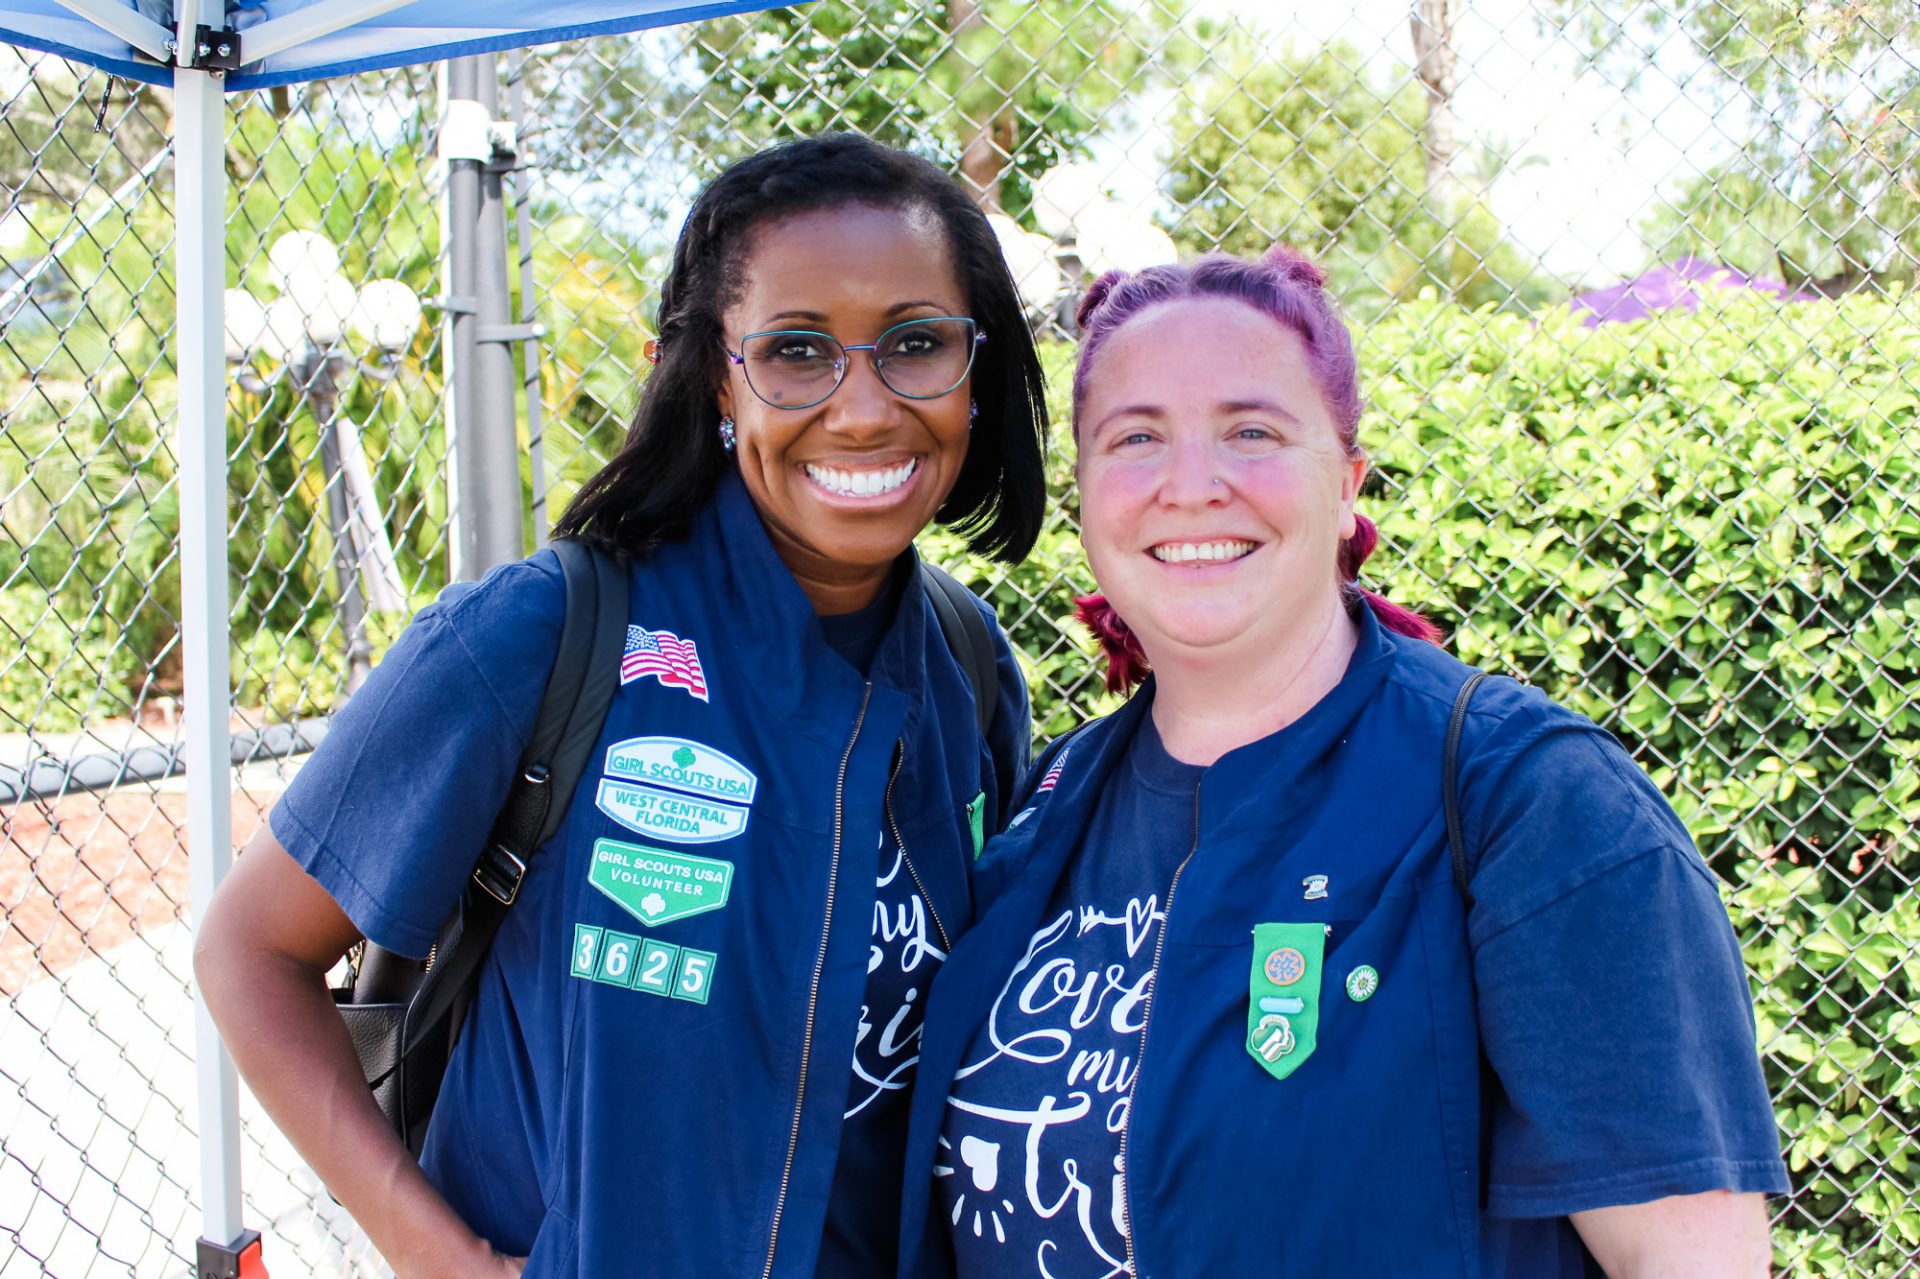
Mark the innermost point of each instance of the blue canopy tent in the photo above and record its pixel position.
(202, 51)
(286, 41)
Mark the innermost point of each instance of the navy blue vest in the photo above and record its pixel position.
(653, 1077)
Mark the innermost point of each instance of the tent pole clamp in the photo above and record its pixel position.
(215, 49)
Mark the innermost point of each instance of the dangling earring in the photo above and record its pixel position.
(726, 434)
(973, 413)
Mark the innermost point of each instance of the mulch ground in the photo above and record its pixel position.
(88, 872)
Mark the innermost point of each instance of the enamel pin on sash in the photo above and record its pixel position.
(1283, 995)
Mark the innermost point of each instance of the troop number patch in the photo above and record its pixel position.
(640, 963)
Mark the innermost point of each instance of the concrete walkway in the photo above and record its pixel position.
(99, 1159)
(100, 1166)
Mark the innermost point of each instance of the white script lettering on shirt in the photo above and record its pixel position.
(886, 1064)
(1047, 1001)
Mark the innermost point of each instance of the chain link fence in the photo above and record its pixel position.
(1689, 508)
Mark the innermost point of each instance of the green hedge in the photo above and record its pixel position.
(1700, 531)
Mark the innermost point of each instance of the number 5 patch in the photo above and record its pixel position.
(1283, 995)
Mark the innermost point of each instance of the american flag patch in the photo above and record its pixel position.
(665, 656)
(1053, 774)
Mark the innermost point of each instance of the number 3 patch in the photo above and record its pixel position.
(640, 963)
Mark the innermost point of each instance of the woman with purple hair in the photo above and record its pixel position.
(1318, 957)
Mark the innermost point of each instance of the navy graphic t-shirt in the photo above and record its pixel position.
(1028, 1170)
(906, 950)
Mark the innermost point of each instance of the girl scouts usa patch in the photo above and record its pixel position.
(1283, 995)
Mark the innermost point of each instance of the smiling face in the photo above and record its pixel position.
(1214, 487)
(844, 486)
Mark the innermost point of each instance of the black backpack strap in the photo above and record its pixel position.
(579, 691)
(566, 740)
(1450, 785)
(967, 637)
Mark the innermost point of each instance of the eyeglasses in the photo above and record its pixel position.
(799, 368)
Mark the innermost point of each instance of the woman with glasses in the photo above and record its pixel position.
(694, 1036)
(1232, 1007)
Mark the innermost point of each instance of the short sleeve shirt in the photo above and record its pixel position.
(1581, 1037)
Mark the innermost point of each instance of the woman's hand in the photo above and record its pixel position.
(1717, 1235)
(261, 957)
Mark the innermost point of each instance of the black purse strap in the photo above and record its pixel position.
(1450, 785)
(579, 691)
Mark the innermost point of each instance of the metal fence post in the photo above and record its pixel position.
(461, 149)
(318, 379)
(502, 512)
(530, 384)
(486, 441)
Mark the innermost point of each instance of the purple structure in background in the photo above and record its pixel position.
(1676, 284)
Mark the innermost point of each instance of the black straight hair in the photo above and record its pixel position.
(672, 458)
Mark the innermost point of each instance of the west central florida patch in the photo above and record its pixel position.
(674, 789)
(666, 814)
(657, 885)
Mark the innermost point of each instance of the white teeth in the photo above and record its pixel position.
(1186, 552)
(861, 483)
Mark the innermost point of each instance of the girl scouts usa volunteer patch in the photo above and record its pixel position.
(1283, 995)
(657, 885)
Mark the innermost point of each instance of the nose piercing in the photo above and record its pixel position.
(1216, 481)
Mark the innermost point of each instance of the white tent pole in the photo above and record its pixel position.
(188, 14)
(276, 35)
(200, 205)
(123, 20)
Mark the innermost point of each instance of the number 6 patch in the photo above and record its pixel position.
(1283, 995)
(640, 963)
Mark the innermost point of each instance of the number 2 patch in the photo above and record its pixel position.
(640, 963)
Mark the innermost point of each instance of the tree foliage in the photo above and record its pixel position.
(1309, 150)
(1304, 148)
(1822, 191)
(1001, 90)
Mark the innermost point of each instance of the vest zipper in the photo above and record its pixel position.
(1146, 1024)
(813, 990)
(899, 754)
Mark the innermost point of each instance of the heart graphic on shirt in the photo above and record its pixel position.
(1140, 915)
(982, 1159)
